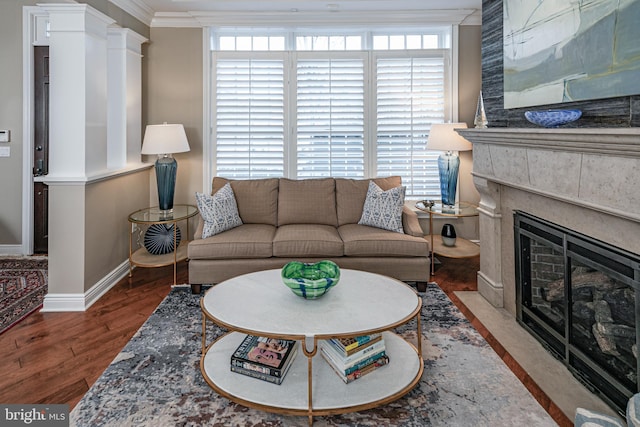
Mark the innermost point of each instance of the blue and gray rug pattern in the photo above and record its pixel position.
(156, 379)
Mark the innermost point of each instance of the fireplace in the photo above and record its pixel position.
(579, 297)
(582, 179)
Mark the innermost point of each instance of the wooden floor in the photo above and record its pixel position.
(56, 357)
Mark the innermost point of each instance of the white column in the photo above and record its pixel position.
(124, 136)
(78, 91)
(490, 274)
(77, 141)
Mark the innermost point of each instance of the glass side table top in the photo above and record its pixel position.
(155, 215)
(437, 208)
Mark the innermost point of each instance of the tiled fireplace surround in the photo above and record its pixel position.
(585, 179)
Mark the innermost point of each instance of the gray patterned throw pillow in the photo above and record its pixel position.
(220, 211)
(383, 209)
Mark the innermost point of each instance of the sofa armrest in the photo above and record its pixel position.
(198, 233)
(410, 222)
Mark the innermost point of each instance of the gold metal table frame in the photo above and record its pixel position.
(219, 352)
(149, 216)
(463, 248)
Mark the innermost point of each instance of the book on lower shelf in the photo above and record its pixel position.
(380, 361)
(366, 359)
(264, 358)
(348, 346)
(345, 362)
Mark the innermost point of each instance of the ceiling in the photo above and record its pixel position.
(154, 12)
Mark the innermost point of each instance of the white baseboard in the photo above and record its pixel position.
(106, 283)
(81, 302)
(63, 302)
(11, 250)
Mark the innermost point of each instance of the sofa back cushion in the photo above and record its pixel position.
(257, 199)
(351, 194)
(307, 201)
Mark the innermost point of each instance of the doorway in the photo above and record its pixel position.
(41, 149)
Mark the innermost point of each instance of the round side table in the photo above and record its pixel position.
(150, 216)
(462, 248)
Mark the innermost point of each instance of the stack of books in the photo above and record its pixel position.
(267, 359)
(352, 358)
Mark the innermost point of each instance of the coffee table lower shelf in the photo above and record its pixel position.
(330, 394)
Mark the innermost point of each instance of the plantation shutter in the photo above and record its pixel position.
(249, 118)
(330, 116)
(410, 95)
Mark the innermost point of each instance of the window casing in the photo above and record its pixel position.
(330, 111)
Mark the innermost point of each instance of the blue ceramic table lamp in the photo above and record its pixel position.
(164, 140)
(443, 137)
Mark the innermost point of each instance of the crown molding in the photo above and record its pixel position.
(145, 14)
(311, 19)
(474, 19)
(175, 20)
(136, 8)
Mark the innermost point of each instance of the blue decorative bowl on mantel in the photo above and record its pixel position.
(552, 118)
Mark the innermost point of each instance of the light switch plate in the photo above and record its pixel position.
(5, 151)
(5, 135)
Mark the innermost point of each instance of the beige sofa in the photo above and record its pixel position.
(307, 220)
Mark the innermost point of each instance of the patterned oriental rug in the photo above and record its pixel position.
(156, 379)
(23, 285)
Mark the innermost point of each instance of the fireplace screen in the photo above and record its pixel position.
(579, 297)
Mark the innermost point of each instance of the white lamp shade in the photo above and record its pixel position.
(443, 137)
(165, 139)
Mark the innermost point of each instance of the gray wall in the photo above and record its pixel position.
(469, 83)
(611, 112)
(11, 82)
(172, 66)
(176, 95)
(11, 119)
(174, 62)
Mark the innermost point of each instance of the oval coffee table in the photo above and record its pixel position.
(362, 303)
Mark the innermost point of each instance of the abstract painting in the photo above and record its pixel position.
(559, 51)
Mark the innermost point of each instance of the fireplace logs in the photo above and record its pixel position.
(588, 319)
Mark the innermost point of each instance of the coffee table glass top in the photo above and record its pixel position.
(260, 303)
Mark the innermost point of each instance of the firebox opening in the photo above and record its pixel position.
(579, 297)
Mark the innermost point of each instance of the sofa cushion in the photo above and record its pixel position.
(362, 240)
(245, 241)
(257, 199)
(220, 212)
(307, 240)
(351, 194)
(383, 209)
(307, 201)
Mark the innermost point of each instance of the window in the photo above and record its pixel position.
(315, 105)
(410, 95)
(330, 117)
(249, 119)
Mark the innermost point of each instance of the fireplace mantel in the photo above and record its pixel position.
(587, 179)
(612, 141)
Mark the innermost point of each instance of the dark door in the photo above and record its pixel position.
(41, 149)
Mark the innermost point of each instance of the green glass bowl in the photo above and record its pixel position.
(310, 280)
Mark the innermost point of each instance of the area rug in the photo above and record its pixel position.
(23, 285)
(156, 379)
